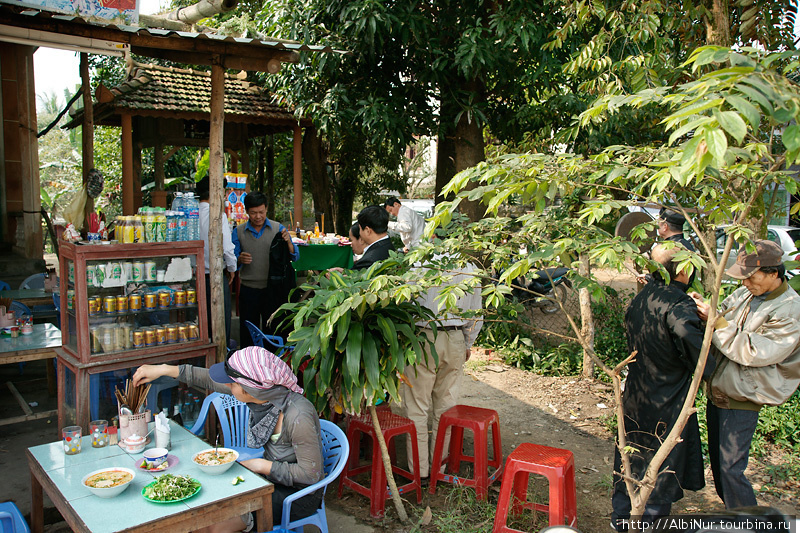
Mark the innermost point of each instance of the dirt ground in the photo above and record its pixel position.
(570, 413)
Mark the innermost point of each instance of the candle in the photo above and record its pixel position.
(323, 223)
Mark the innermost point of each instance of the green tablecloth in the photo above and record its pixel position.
(324, 256)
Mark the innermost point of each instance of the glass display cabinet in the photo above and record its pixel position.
(124, 305)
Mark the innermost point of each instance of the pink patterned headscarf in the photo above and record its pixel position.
(266, 368)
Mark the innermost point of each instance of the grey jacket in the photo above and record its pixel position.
(297, 455)
(757, 352)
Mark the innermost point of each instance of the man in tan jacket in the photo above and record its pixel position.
(756, 345)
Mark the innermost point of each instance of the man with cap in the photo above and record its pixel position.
(756, 344)
(282, 420)
(670, 227)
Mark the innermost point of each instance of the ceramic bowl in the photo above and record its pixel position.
(317, 240)
(105, 477)
(155, 456)
(215, 468)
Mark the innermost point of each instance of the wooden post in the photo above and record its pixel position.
(297, 142)
(127, 165)
(87, 130)
(216, 168)
(29, 155)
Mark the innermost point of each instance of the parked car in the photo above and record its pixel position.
(784, 236)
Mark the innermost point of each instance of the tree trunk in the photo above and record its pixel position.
(315, 156)
(587, 320)
(718, 28)
(387, 466)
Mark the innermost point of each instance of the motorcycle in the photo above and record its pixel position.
(544, 292)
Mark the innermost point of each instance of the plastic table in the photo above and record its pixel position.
(41, 344)
(60, 475)
(29, 297)
(323, 257)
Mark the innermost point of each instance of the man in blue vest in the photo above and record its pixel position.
(252, 242)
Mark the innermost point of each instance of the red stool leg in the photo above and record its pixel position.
(438, 448)
(415, 457)
(570, 497)
(504, 500)
(557, 497)
(497, 453)
(521, 478)
(353, 439)
(377, 497)
(456, 449)
(481, 459)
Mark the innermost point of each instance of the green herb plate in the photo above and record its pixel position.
(169, 501)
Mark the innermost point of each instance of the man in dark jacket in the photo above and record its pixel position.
(663, 327)
(374, 223)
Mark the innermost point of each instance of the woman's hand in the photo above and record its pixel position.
(147, 373)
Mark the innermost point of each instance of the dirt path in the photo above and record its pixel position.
(565, 413)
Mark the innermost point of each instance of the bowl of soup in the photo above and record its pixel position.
(217, 461)
(108, 482)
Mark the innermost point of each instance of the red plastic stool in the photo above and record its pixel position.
(392, 425)
(557, 465)
(479, 420)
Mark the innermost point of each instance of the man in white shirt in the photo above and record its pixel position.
(409, 225)
(431, 389)
(228, 256)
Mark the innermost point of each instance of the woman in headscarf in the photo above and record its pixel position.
(281, 419)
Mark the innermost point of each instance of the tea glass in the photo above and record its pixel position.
(99, 429)
(72, 439)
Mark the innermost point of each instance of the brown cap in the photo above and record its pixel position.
(767, 254)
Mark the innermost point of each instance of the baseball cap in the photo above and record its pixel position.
(767, 254)
(672, 217)
(255, 367)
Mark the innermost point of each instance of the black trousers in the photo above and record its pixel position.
(226, 302)
(730, 432)
(256, 306)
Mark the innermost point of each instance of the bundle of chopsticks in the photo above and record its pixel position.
(134, 396)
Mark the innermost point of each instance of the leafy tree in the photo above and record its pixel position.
(716, 159)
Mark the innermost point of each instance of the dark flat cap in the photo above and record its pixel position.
(767, 254)
(672, 217)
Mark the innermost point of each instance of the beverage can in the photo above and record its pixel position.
(161, 335)
(70, 299)
(163, 299)
(93, 307)
(138, 271)
(138, 338)
(194, 332)
(122, 304)
(191, 297)
(149, 337)
(115, 271)
(172, 333)
(180, 298)
(135, 302)
(90, 276)
(150, 301)
(71, 272)
(109, 305)
(183, 333)
(150, 271)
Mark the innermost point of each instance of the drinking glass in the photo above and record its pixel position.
(99, 429)
(72, 439)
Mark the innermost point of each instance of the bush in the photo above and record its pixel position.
(610, 342)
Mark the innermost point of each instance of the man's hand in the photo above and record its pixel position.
(231, 276)
(469, 353)
(288, 239)
(703, 309)
(245, 258)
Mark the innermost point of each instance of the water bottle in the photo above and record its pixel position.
(177, 213)
(193, 212)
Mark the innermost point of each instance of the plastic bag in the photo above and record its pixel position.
(73, 213)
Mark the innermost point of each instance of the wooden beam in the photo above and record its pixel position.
(297, 142)
(216, 168)
(231, 62)
(29, 154)
(128, 193)
(87, 130)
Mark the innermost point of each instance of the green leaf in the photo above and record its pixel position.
(747, 109)
(353, 354)
(733, 124)
(717, 144)
(371, 358)
(791, 137)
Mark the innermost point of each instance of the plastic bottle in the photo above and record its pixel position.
(177, 209)
(138, 229)
(193, 216)
(316, 229)
(161, 225)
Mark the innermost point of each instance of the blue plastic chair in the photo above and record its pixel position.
(11, 520)
(36, 281)
(335, 450)
(234, 417)
(4, 286)
(259, 337)
(20, 309)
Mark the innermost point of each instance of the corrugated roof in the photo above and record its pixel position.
(29, 16)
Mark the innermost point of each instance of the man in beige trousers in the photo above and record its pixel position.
(432, 389)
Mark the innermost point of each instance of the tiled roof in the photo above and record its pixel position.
(156, 88)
